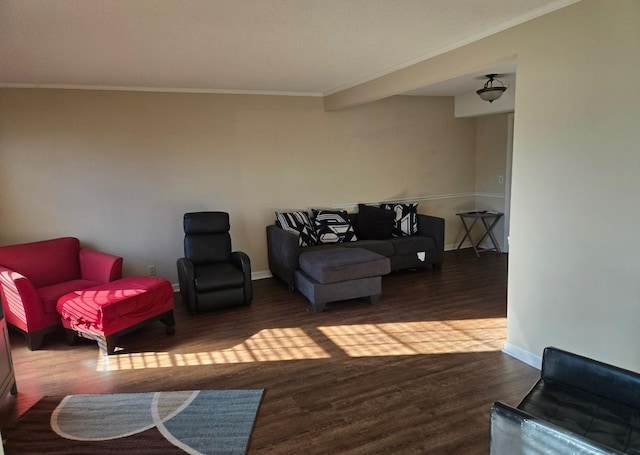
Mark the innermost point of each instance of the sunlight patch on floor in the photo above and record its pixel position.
(360, 340)
(265, 346)
(422, 337)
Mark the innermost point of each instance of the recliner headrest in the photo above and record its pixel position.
(206, 222)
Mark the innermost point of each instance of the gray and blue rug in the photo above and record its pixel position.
(194, 422)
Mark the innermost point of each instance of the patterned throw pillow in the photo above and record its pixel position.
(298, 223)
(406, 218)
(333, 226)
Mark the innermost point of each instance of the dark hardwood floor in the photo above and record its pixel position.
(415, 373)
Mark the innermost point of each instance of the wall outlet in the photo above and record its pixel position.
(500, 179)
(152, 270)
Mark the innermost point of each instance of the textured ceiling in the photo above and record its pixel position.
(310, 47)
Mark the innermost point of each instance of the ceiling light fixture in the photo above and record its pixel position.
(490, 92)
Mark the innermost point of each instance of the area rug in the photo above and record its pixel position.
(194, 422)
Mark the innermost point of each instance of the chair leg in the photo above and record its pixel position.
(107, 345)
(169, 320)
(35, 339)
(71, 336)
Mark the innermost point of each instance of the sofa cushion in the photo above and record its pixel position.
(205, 248)
(111, 307)
(343, 264)
(374, 223)
(592, 416)
(44, 263)
(382, 247)
(197, 223)
(333, 226)
(406, 218)
(299, 223)
(51, 294)
(412, 245)
(214, 277)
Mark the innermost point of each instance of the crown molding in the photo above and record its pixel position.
(115, 88)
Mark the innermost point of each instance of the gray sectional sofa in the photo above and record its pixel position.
(423, 250)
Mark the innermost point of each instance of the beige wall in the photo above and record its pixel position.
(491, 153)
(490, 160)
(573, 268)
(491, 163)
(118, 169)
(574, 247)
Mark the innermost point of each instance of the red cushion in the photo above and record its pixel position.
(111, 307)
(51, 294)
(44, 263)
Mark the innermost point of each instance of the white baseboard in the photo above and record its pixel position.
(524, 356)
(261, 275)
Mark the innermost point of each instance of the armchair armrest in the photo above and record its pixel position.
(186, 280)
(23, 306)
(283, 249)
(432, 226)
(514, 431)
(99, 266)
(242, 261)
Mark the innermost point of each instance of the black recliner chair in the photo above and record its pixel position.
(211, 276)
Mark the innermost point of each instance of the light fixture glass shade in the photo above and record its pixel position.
(489, 92)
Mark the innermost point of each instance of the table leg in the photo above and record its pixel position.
(468, 234)
(489, 232)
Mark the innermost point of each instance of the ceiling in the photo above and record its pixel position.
(305, 47)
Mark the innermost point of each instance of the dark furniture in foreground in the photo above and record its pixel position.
(422, 250)
(211, 276)
(579, 406)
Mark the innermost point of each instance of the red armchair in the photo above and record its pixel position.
(34, 275)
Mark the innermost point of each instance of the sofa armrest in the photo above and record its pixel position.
(513, 431)
(591, 376)
(432, 226)
(22, 305)
(98, 266)
(242, 261)
(283, 249)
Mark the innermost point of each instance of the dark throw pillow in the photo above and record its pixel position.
(300, 223)
(333, 226)
(374, 223)
(406, 218)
